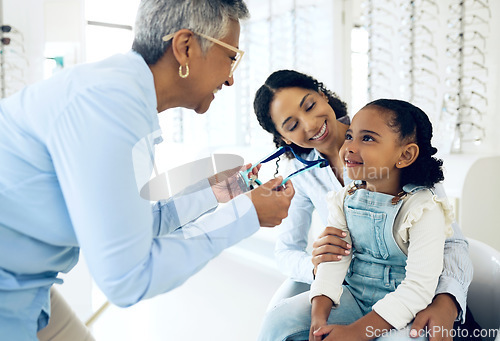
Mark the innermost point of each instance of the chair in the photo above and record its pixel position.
(478, 203)
(483, 298)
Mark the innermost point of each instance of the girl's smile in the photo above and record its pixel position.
(350, 162)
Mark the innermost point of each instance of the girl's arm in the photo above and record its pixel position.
(330, 276)
(327, 287)
(425, 227)
(321, 307)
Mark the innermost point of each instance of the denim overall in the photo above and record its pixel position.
(376, 269)
(378, 264)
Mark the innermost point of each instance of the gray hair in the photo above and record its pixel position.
(157, 18)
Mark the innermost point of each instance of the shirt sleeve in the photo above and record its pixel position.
(457, 269)
(292, 258)
(427, 233)
(330, 275)
(91, 147)
(194, 201)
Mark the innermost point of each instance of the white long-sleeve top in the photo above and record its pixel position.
(294, 259)
(420, 229)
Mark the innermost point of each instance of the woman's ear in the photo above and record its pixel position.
(286, 141)
(182, 45)
(408, 155)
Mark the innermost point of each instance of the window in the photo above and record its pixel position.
(109, 27)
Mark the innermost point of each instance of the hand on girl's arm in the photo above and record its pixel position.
(368, 327)
(329, 247)
(439, 315)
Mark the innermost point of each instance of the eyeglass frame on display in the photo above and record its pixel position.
(468, 20)
(453, 52)
(465, 65)
(466, 36)
(472, 125)
(457, 7)
(454, 97)
(408, 5)
(454, 82)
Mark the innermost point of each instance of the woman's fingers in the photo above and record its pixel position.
(331, 240)
(317, 260)
(330, 249)
(330, 230)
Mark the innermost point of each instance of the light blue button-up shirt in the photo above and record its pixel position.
(311, 189)
(68, 181)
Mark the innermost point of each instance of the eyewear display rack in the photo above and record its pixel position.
(2, 56)
(433, 54)
(13, 60)
(465, 102)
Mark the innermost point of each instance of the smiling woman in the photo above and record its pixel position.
(89, 120)
(301, 112)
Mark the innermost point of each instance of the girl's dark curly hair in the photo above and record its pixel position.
(413, 125)
(283, 79)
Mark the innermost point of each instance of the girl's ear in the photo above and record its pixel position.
(286, 141)
(408, 155)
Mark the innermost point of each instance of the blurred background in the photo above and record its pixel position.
(441, 55)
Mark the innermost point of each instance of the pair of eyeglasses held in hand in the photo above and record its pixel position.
(253, 181)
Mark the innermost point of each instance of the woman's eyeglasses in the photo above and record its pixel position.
(236, 59)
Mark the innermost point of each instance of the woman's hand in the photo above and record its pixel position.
(337, 332)
(317, 325)
(438, 317)
(271, 201)
(229, 184)
(329, 247)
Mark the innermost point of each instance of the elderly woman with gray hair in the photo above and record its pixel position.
(70, 150)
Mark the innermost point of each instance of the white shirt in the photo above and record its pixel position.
(420, 228)
(68, 182)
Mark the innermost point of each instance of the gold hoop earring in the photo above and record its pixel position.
(184, 75)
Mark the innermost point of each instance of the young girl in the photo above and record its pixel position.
(396, 224)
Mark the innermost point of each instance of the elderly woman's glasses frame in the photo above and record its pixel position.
(236, 59)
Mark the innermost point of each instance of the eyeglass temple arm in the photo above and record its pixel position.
(318, 163)
(283, 149)
(267, 158)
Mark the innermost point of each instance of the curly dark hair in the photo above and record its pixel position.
(283, 79)
(413, 125)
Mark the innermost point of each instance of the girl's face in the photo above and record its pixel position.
(304, 117)
(371, 150)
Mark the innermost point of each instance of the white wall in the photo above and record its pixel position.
(45, 24)
(25, 16)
